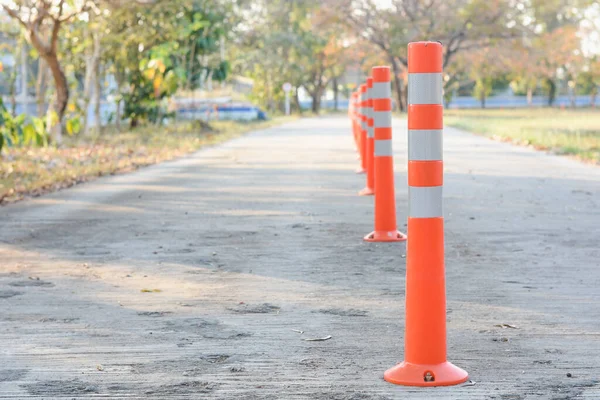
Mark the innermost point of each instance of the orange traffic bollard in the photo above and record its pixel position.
(362, 128)
(385, 196)
(350, 111)
(425, 361)
(352, 116)
(370, 142)
(355, 126)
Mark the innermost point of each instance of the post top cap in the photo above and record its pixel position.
(381, 73)
(425, 57)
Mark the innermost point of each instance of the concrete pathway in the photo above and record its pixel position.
(193, 278)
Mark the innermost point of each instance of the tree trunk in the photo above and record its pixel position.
(335, 93)
(41, 87)
(119, 79)
(297, 100)
(270, 103)
(209, 86)
(13, 84)
(89, 77)
(398, 83)
(551, 91)
(87, 92)
(573, 98)
(529, 97)
(24, 94)
(98, 97)
(593, 98)
(482, 101)
(118, 115)
(62, 93)
(316, 99)
(13, 91)
(191, 64)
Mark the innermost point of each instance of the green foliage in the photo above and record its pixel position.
(587, 83)
(17, 131)
(153, 81)
(220, 73)
(73, 126)
(154, 50)
(522, 84)
(483, 89)
(500, 82)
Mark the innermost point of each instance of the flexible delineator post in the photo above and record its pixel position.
(370, 142)
(425, 361)
(385, 197)
(362, 121)
(352, 116)
(357, 130)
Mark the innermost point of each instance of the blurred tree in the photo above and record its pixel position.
(487, 68)
(292, 42)
(11, 40)
(588, 81)
(179, 41)
(552, 42)
(459, 24)
(42, 21)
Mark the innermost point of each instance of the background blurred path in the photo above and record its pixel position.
(193, 278)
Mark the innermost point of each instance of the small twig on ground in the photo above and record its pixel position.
(318, 339)
(504, 326)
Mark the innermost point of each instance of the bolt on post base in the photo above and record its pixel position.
(408, 374)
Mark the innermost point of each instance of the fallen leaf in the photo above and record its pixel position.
(318, 339)
(504, 326)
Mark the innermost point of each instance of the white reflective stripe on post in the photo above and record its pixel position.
(383, 148)
(425, 145)
(425, 202)
(370, 129)
(382, 119)
(425, 88)
(370, 132)
(381, 90)
(369, 114)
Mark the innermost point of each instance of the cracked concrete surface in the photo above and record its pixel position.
(195, 278)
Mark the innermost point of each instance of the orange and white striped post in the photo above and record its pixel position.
(425, 361)
(385, 196)
(355, 106)
(370, 141)
(352, 116)
(362, 124)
